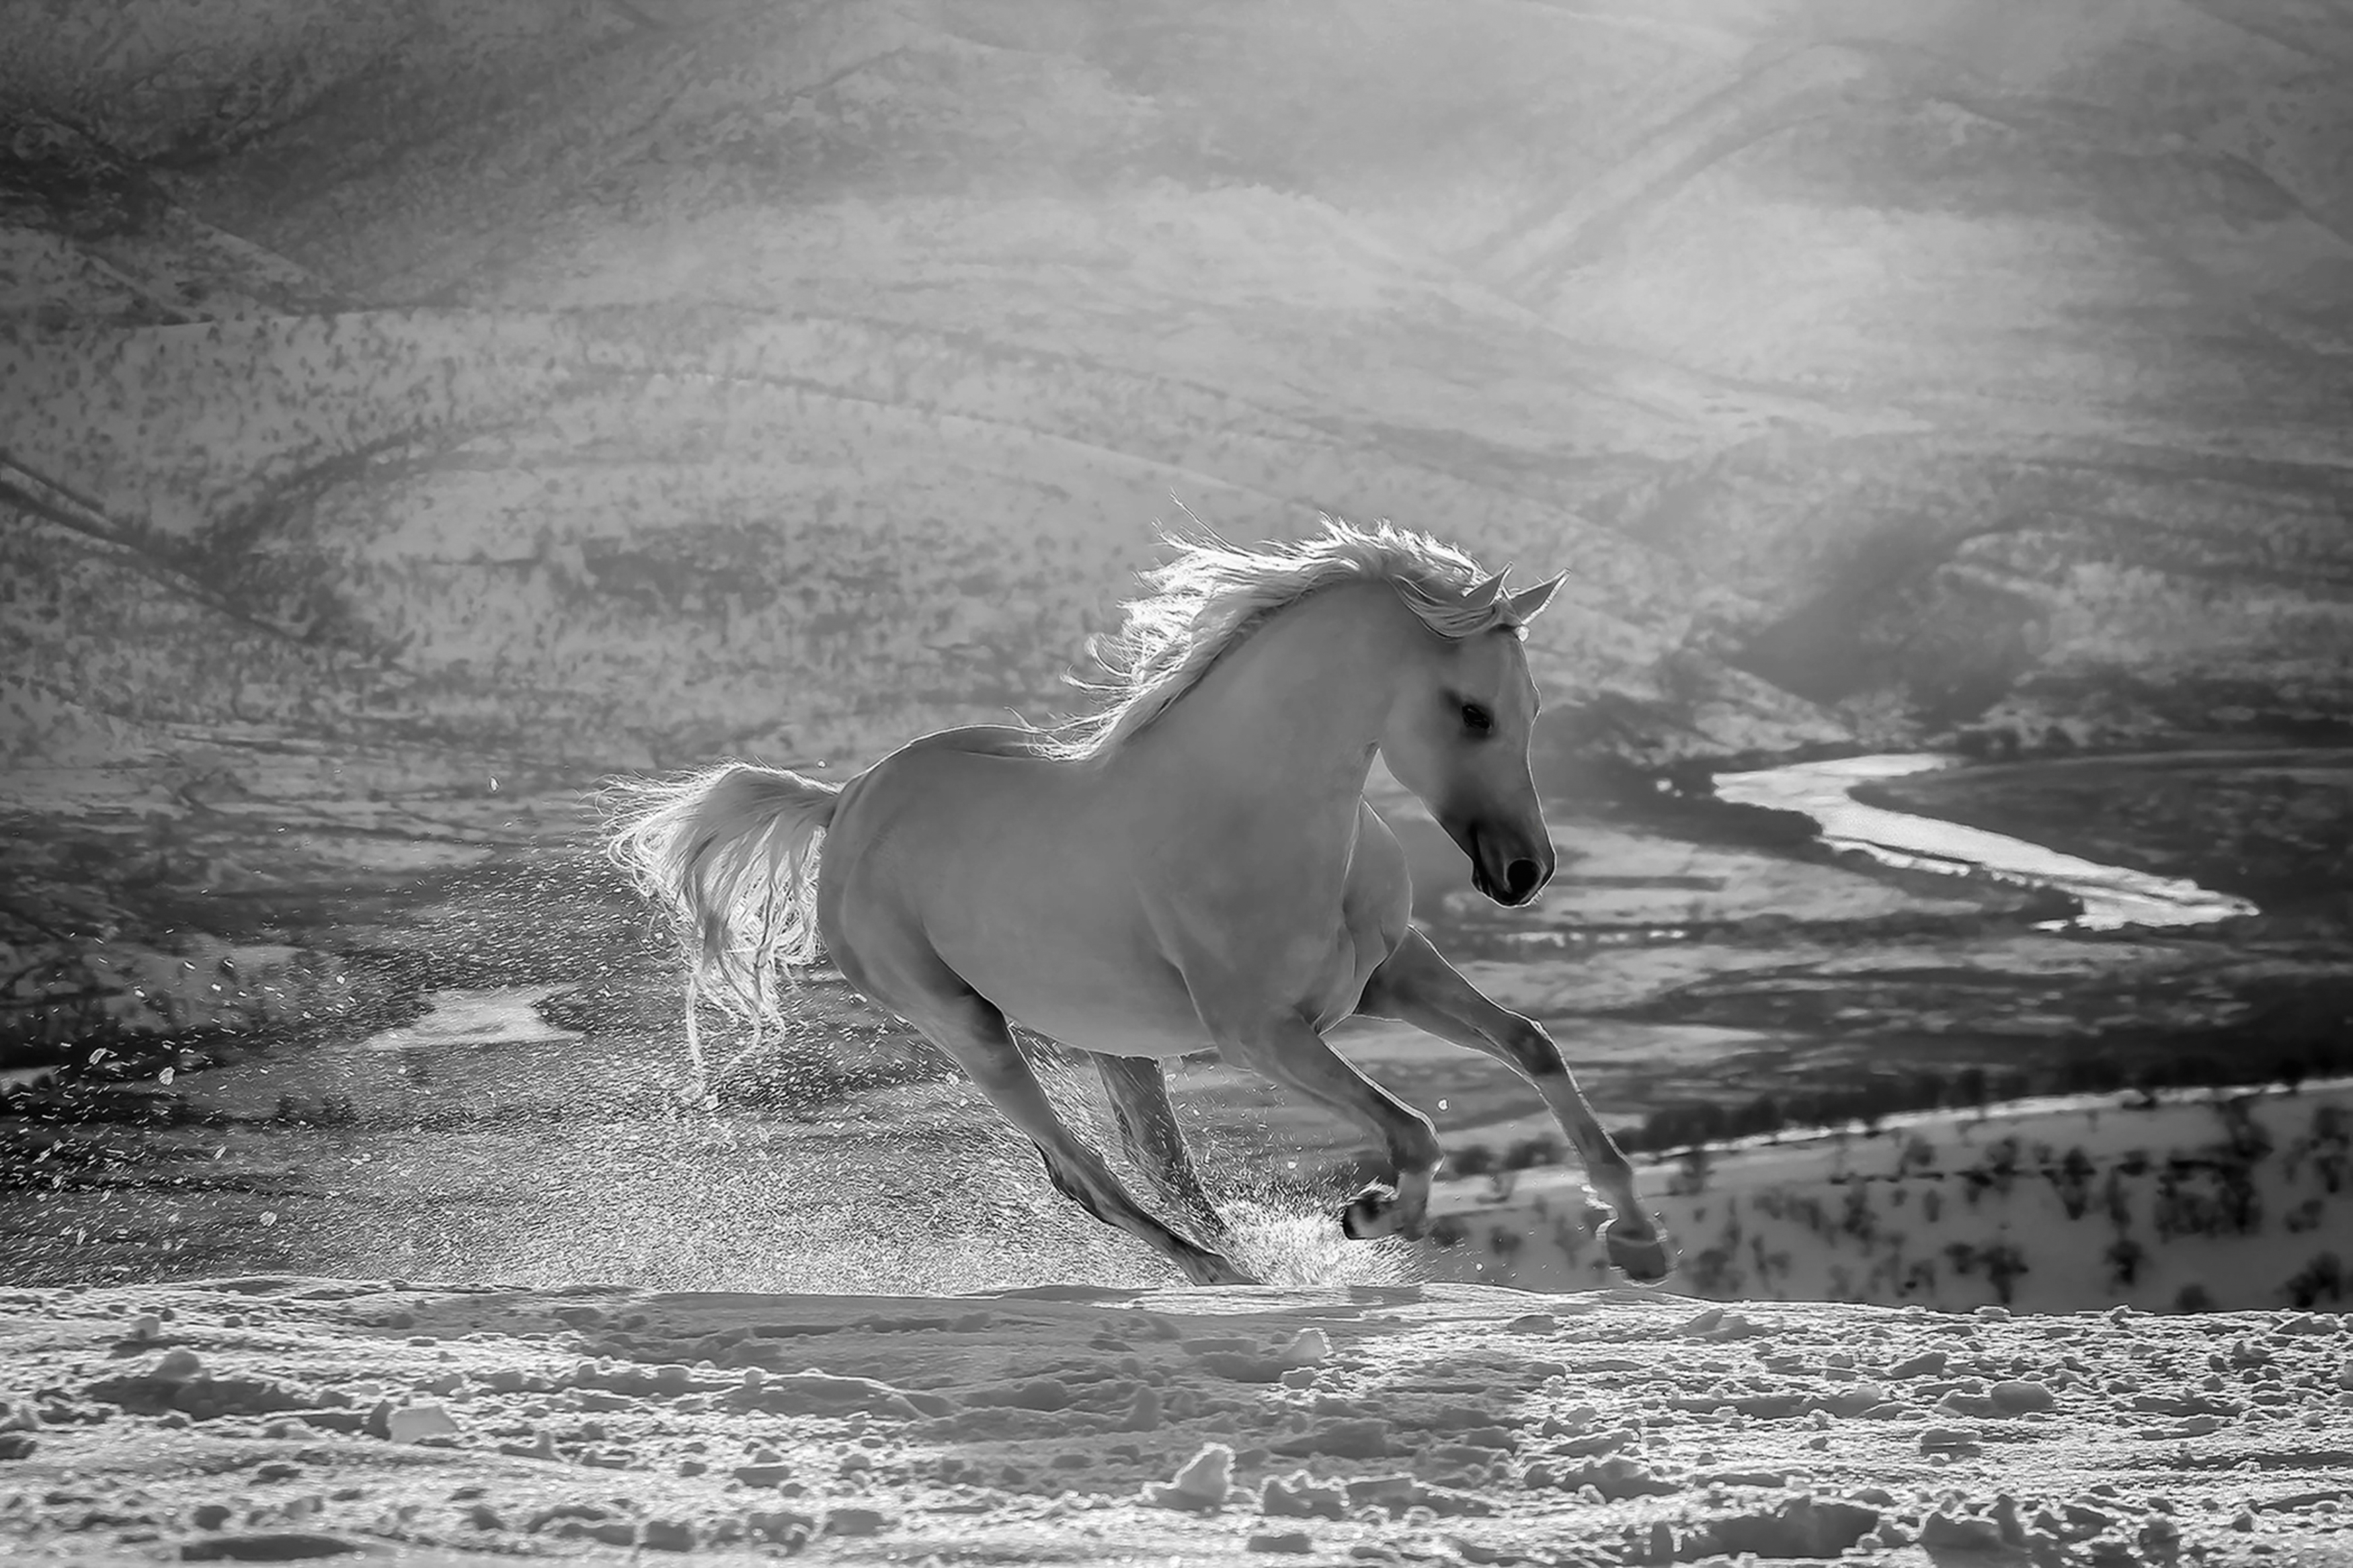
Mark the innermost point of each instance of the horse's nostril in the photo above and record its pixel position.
(1521, 877)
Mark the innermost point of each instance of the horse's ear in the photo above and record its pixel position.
(1528, 601)
(1483, 593)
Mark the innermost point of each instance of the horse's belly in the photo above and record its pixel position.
(1121, 1034)
(1154, 1013)
(1094, 997)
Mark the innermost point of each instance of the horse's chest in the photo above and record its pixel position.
(1305, 954)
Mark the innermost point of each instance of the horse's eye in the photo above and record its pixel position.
(1477, 720)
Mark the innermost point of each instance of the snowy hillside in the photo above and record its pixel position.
(268, 1419)
(2196, 1202)
(1893, 361)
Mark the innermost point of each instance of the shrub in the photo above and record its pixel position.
(1473, 1160)
(1531, 1152)
(2005, 1264)
(2321, 1279)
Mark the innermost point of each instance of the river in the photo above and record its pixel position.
(2112, 896)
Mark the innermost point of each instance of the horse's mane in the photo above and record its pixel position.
(1214, 594)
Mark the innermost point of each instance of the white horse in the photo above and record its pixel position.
(1194, 865)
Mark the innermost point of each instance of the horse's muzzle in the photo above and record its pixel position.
(1510, 872)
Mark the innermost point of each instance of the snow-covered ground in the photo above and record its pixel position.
(281, 1418)
(2207, 1199)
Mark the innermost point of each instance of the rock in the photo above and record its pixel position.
(1617, 1477)
(1395, 1493)
(773, 1474)
(415, 1422)
(182, 1387)
(857, 1520)
(2157, 1536)
(1948, 1440)
(2020, 1394)
(1200, 1486)
(665, 1535)
(1451, 1503)
(18, 1445)
(1242, 1366)
(177, 1365)
(1356, 1438)
(816, 1393)
(1944, 1532)
(1302, 1496)
(1046, 1394)
(786, 1527)
(1144, 1413)
(1291, 1540)
(273, 1546)
(1801, 1527)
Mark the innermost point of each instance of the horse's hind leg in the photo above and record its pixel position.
(970, 1029)
(1138, 1087)
(1417, 984)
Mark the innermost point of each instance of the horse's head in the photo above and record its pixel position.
(1458, 737)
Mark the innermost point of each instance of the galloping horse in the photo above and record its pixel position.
(1193, 866)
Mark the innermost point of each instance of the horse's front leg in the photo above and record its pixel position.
(1417, 985)
(1287, 1049)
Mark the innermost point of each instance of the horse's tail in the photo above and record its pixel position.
(732, 852)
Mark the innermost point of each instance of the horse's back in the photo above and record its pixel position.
(982, 741)
(932, 795)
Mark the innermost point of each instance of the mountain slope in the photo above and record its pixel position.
(551, 387)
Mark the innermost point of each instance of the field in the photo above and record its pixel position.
(275, 1417)
(2210, 1201)
(415, 416)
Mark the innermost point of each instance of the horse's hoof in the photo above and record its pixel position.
(1376, 1211)
(1643, 1258)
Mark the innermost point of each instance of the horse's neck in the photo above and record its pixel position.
(1291, 716)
